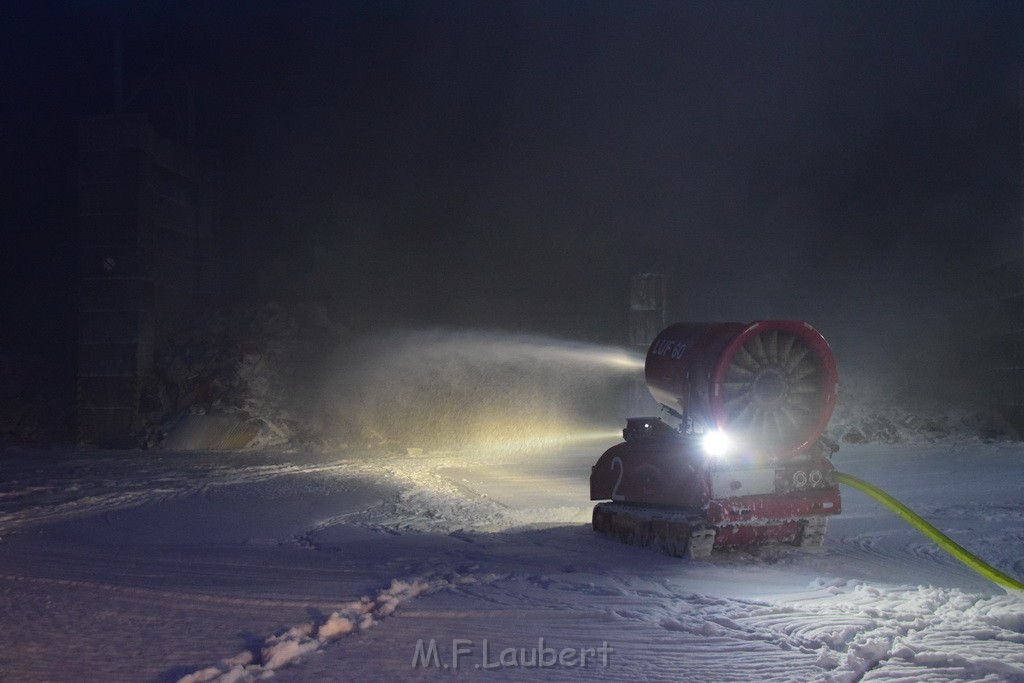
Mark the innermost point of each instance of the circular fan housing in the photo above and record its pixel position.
(775, 383)
(771, 383)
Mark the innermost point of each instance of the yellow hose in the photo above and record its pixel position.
(945, 542)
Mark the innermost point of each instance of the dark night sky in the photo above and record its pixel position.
(509, 164)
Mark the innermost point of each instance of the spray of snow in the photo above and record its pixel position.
(296, 379)
(447, 389)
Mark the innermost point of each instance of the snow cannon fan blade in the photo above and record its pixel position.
(770, 384)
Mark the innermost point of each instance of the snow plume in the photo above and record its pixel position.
(446, 389)
(281, 649)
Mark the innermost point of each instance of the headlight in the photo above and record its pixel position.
(716, 444)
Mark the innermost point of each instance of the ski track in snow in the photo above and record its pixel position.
(878, 604)
(65, 499)
(281, 649)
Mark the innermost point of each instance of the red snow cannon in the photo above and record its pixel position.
(737, 456)
(773, 382)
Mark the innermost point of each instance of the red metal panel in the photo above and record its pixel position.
(774, 507)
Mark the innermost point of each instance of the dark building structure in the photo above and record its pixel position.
(646, 309)
(146, 242)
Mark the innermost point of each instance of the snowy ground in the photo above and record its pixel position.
(231, 566)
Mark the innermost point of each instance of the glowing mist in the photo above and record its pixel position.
(457, 388)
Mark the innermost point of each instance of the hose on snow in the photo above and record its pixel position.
(944, 542)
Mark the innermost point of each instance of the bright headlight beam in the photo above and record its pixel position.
(716, 444)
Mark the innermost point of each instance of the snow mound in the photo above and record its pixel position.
(951, 634)
(259, 365)
(864, 414)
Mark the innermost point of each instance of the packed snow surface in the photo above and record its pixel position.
(241, 566)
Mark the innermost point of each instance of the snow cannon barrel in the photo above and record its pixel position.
(770, 384)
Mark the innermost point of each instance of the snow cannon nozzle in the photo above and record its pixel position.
(770, 384)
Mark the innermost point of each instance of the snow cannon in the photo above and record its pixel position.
(737, 456)
(772, 383)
